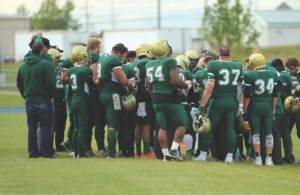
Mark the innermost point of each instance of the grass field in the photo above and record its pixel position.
(65, 175)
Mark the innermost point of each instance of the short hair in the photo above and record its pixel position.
(224, 50)
(120, 47)
(131, 54)
(37, 48)
(292, 61)
(46, 42)
(92, 44)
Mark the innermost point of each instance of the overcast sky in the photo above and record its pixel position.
(138, 13)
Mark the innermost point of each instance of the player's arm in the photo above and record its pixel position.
(121, 77)
(149, 86)
(207, 92)
(275, 96)
(176, 80)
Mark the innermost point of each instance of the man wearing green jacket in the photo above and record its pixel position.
(36, 83)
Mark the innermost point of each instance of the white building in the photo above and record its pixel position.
(9, 24)
(278, 27)
(64, 40)
(180, 39)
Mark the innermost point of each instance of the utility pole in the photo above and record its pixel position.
(112, 14)
(158, 14)
(86, 15)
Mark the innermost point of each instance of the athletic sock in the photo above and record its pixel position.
(112, 140)
(165, 151)
(146, 147)
(174, 146)
(138, 148)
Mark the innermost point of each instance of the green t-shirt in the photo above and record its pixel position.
(158, 74)
(77, 81)
(226, 75)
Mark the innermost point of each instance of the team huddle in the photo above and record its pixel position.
(148, 98)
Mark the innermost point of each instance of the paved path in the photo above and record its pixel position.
(12, 110)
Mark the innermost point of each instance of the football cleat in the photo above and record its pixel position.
(174, 154)
(258, 161)
(228, 159)
(269, 161)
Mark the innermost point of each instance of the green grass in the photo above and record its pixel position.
(65, 175)
(9, 99)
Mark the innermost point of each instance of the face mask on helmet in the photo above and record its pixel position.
(129, 102)
(292, 104)
(201, 123)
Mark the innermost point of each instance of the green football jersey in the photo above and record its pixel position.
(94, 57)
(128, 70)
(226, 75)
(108, 81)
(77, 82)
(287, 81)
(201, 79)
(140, 79)
(295, 82)
(188, 76)
(158, 74)
(262, 83)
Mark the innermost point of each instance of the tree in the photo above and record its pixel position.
(231, 25)
(51, 17)
(22, 10)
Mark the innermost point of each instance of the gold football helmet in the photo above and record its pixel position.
(292, 104)
(244, 125)
(160, 48)
(201, 123)
(144, 49)
(54, 53)
(79, 54)
(129, 102)
(256, 60)
(183, 61)
(192, 54)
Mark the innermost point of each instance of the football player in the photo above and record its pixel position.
(183, 64)
(163, 80)
(221, 87)
(127, 127)
(59, 101)
(260, 99)
(97, 118)
(145, 113)
(80, 85)
(112, 79)
(292, 64)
